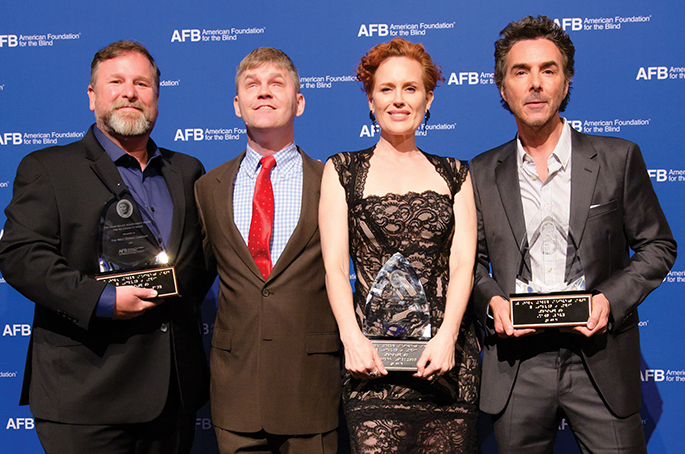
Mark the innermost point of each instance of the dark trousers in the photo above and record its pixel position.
(553, 385)
(262, 442)
(172, 432)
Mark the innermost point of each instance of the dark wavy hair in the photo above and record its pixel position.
(398, 47)
(541, 27)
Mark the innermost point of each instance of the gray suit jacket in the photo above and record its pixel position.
(613, 210)
(274, 360)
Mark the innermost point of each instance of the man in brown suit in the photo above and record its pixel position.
(275, 366)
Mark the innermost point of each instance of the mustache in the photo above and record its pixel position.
(135, 104)
(536, 97)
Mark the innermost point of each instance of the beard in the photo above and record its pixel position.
(129, 124)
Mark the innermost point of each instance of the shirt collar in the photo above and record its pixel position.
(561, 153)
(116, 152)
(286, 160)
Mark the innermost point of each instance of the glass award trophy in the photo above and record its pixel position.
(398, 315)
(129, 253)
(540, 301)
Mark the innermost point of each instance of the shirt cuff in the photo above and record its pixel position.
(107, 302)
(488, 312)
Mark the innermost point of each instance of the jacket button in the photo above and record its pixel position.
(164, 328)
(265, 292)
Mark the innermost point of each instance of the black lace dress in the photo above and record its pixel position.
(399, 413)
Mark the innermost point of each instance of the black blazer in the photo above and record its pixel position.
(613, 209)
(81, 369)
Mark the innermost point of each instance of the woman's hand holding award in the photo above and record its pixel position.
(398, 315)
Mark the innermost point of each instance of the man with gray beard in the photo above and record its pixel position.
(110, 369)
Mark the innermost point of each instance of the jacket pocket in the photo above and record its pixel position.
(222, 339)
(47, 336)
(598, 210)
(322, 343)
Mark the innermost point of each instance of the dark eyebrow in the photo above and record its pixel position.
(546, 64)
(520, 66)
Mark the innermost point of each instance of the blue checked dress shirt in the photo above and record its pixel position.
(286, 180)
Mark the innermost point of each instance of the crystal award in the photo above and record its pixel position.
(397, 315)
(129, 253)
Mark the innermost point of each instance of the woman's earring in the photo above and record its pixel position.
(426, 117)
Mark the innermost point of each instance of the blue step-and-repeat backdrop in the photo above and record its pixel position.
(630, 83)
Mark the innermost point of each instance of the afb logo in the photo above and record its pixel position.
(652, 375)
(203, 423)
(464, 77)
(576, 23)
(20, 423)
(658, 72)
(10, 138)
(180, 36)
(17, 330)
(373, 30)
(659, 174)
(9, 40)
(187, 134)
(369, 130)
(576, 124)
(198, 134)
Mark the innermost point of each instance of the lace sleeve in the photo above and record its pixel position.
(352, 168)
(342, 164)
(453, 171)
(459, 169)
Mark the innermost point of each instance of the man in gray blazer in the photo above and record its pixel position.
(275, 383)
(552, 204)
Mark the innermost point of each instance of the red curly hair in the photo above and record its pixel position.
(398, 47)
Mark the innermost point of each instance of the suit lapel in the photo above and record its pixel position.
(223, 203)
(584, 172)
(308, 223)
(174, 182)
(103, 166)
(507, 180)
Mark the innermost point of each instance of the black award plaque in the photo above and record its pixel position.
(540, 301)
(541, 310)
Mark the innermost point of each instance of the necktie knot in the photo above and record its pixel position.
(268, 163)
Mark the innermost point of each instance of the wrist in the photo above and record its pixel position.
(450, 333)
(350, 334)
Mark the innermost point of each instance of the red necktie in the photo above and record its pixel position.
(262, 217)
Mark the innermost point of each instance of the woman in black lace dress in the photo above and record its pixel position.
(393, 198)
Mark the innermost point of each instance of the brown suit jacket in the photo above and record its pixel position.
(274, 361)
